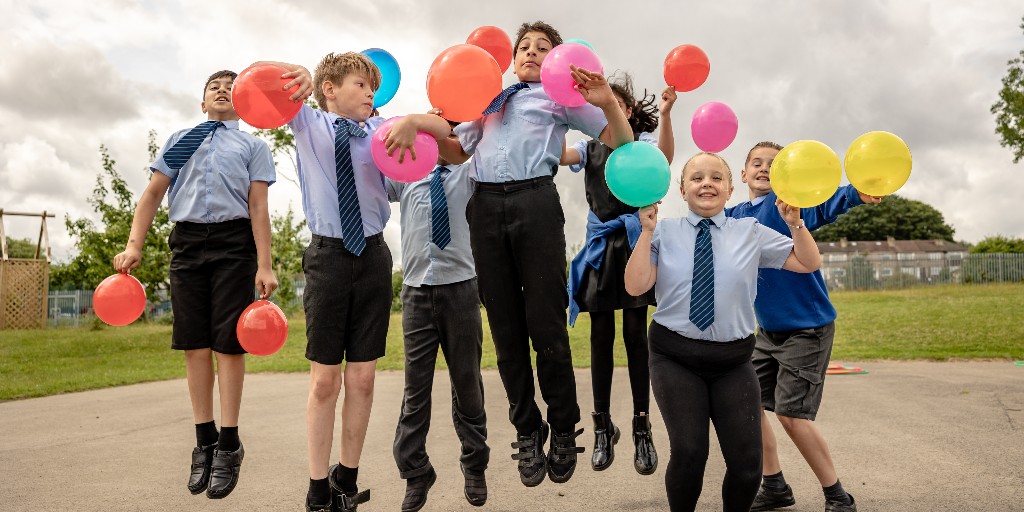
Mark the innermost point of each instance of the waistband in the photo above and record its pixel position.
(513, 186)
(214, 226)
(326, 241)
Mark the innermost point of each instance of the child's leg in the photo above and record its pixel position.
(199, 375)
(355, 410)
(421, 343)
(324, 387)
(230, 376)
(634, 334)
(602, 361)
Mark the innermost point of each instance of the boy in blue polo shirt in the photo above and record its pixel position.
(347, 299)
(220, 246)
(517, 234)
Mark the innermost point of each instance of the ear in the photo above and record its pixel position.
(202, 105)
(328, 89)
(743, 175)
(728, 194)
(629, 113)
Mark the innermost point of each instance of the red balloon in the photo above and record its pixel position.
(119, 300)
(686, 67)
(462, 81)
(260, 99)
(496, 42)
(262, 329)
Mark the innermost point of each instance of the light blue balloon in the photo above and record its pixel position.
(637, 174)
(580, 41)
(390, 75)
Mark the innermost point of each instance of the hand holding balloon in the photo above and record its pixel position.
(593, 86)
(649, 217)
(401, 137)
(266, 282)
(790, 213)
(127, 260)
(668, 98)
(866, 199)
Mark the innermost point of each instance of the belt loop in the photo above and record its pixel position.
(319, 242)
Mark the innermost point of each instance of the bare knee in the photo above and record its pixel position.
(325, 387)
(359, 384)
(792, 424)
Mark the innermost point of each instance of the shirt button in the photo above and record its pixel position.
(505, 122)
(501, 147)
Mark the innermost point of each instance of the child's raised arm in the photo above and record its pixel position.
(403, 133)
(595, 89)
(805, 256)
(666, 139)
(300, 76)
(640, 272)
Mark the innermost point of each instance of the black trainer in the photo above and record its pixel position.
(416, 490)
(606, 434)
(343, 502)
(199, 477)
(562, 456)
(476, 487)
(770, 499)
(835, 506)
(532, 463)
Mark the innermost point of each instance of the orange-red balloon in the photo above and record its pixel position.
(119, 300)
(686, 67)
(462, 81)
(262, 329)
(496, 42)
(260, 99)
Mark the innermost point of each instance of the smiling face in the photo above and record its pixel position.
(706, 184)
(530, 53)
(352, 99)
(217, 99)
(755, 172)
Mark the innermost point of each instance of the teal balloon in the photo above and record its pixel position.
(580, 41)
(390, 75)
(638, 174)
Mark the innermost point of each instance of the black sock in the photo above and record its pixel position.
(345, 477)
(836, 493)
(775, 482)
(319, 492)
(206, 434)
(228, 439)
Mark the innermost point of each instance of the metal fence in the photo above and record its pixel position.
(868, 272)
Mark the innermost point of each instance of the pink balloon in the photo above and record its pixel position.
(409, 170)
(714, 126)
(557, 78)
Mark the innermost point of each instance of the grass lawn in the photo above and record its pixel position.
(939, 323)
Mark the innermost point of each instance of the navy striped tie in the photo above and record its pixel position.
(348, 201)
(702, 291)
(181, 151)
(440, 230)
(499, 100)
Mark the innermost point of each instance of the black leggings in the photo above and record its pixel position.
(697, 380)
(602, 343)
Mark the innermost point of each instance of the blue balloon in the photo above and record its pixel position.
(637, 174)
(390, 75)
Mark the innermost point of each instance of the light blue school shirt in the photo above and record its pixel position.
(318, 175)
(581, 148)
(423, 263)
(524, 139)
(740, 247)
(213, 185)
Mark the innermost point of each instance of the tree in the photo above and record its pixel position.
(998, 244)
(97, 245)
(287, 244)
(21, 248)
(1009, 108)
(895, 216)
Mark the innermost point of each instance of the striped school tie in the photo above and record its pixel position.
(440, 230)
(181, 151)
(702, 291)
(499, 100)
(348, 201)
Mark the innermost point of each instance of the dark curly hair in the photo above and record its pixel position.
(645, 112)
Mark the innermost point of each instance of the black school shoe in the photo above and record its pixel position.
(329, 507)
(342, 502)
(224, 469)
(770, 499)
(532, 463)
(645, 458)
(416, 490)
(475, 488)
(562, 456)
(199, 477)
(835, 506)
(606, 434)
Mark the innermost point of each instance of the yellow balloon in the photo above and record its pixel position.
(878, 163)
(805, 173)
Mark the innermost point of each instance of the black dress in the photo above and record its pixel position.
(604, 289)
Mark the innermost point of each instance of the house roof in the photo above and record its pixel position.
(890, 245)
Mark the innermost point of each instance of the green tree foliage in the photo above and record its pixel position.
(998, 244)
(98, 244)
(22, 248)
(1009, 108)
(282, 144)
(396, 289)
(895, 216)
(287, 242)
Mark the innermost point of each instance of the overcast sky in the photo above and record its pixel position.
(76, 75)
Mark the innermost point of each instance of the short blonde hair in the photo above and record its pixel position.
(728, 171)
(334, 67)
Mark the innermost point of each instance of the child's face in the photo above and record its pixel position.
(530, 53)
(217, 100)
(626, 111)
(706, 185)
(352, 99)
(755, 172)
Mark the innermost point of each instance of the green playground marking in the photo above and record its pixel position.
(1019, 363)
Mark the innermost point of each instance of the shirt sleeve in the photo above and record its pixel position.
(305, 116)
(581, 148)
(649, 138)
(775, 247)
(159, 165)
(261, 163)
(828, 212)
(469, 134)
(587, 119)
(656, 244)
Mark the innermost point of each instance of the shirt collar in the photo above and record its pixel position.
(758, 200)
(231, 125)
(717, 219)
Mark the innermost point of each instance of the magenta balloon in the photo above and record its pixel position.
(409, 170)
(714, 126)
(557, 78)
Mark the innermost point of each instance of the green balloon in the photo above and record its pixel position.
(638, 174)
(580, 41)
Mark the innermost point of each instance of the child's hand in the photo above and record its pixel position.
(649, 217)
(668, 97)
(300, 76)
(126, 261)
(266, 282)
(402, 136)
(594, 87)
(790, 213)
(869, 199)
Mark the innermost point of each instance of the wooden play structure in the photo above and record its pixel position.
(24, 282)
